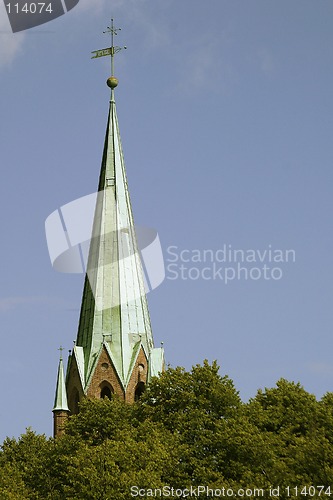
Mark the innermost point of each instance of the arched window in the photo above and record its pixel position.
(140, 389)
(106, 390)
(141, 372)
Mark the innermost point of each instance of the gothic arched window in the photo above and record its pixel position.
(140, 389)
(106, 390)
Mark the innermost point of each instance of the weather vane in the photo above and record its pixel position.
(110, 51)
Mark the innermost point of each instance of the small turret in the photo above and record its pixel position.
(60, 408)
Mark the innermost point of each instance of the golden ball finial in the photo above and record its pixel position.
(112, 82)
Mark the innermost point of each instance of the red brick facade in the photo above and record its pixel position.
(105, 376)
(74, 387)
(104, 382)
(59, 420)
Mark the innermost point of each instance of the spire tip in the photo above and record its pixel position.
(112, 82)
(61, 349)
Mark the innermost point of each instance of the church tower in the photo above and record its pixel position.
(114, 351)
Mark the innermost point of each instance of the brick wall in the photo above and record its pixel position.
(139, 374)
(104, 372)
(59, 420)
(105, 375)
(74, 386)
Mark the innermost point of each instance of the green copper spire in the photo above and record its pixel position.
(60, 400)
(114, 311)
(114, 350)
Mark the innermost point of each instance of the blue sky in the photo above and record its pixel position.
(225, 112)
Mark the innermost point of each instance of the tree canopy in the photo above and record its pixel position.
(189, 428)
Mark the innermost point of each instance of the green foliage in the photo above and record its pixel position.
(296, 426)
(188, 428)
(101, 419)
(11, 483)
(176, 393)
(26, 459)
(196, 406)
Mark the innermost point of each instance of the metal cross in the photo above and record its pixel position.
(61, 349)
(110, 51)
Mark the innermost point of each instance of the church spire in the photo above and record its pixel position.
(60, 408)
(114, 350)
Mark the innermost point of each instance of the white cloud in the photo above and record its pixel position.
(10, 43)
(321, 368)
(203, 66)
(135, 12)
(12, 303)
(266, 61)
(95, 5)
